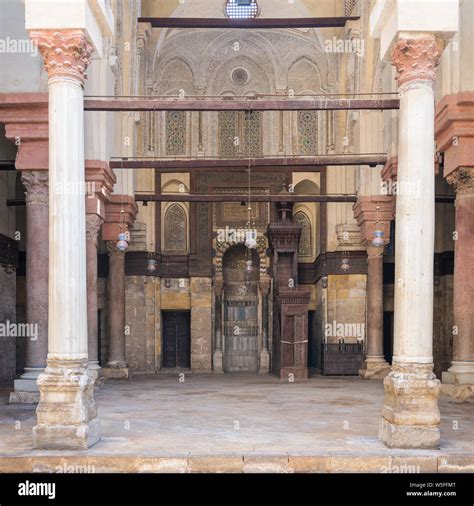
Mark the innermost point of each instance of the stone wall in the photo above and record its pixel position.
(145, 298)
(201, 324)
(142, 324)
(7, 313)
(346, 303)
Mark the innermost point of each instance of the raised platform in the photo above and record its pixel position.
(237, 423)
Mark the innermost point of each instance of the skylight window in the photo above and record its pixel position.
(241, 9)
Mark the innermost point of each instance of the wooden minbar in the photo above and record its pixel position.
(290, 316)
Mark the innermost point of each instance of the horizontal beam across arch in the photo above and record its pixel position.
(238, 104)
(249, 23)
(228, 197)
(269, 163)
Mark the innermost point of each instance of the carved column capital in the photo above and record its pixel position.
(36, 183)
(66, 53)
(113, 250)
(462, 180)
(416, 59)
(93, 224)
(374, 251)
(374, 213)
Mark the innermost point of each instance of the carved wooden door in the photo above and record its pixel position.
(176, 339)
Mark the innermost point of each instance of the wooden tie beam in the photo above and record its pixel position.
(239, 104)
(252, 24)
(264, 164)
(232, 197)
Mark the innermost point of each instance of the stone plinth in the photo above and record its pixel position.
(67, 414)
(410, 414)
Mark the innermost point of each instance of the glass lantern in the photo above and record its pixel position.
(122, 243)
(378, 239)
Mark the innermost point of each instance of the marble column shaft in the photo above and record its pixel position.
(67, 414)
(410, 415)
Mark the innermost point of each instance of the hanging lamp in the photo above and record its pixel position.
(378, 240)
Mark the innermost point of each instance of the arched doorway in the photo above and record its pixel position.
(241, 322)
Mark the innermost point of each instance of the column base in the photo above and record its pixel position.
(67, 414)
(264, 366)
(94, 366)
(115, 370)
(66, 437)
(217, 362)
(96, 371)
(458, 382)
(410, 414)
(408, 436)
(26, 389)
(23, 397)
(374, 368)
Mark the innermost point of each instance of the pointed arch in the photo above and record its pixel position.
(305, 248)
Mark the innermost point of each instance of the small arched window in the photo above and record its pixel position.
(175, 229)
(305, 246)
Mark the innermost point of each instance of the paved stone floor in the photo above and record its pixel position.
(235, 422)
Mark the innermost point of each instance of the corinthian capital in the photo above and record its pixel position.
(93, 224)
(462, 180)
(416, 59)
(66, 52)
(36, 184)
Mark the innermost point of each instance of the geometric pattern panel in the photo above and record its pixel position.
(240, 134)
(307, 132)
(175, 225)
(175, 133)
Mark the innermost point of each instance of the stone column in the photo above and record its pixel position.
(67, 415)
(264, 359)
(217, 355)
(36, 184)
(410, 415)
(93, 224)
(375, 366)
(458, 381)
(374, 213)
(120, 214)
(100, 181)
(116, 366)
(454, 129)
